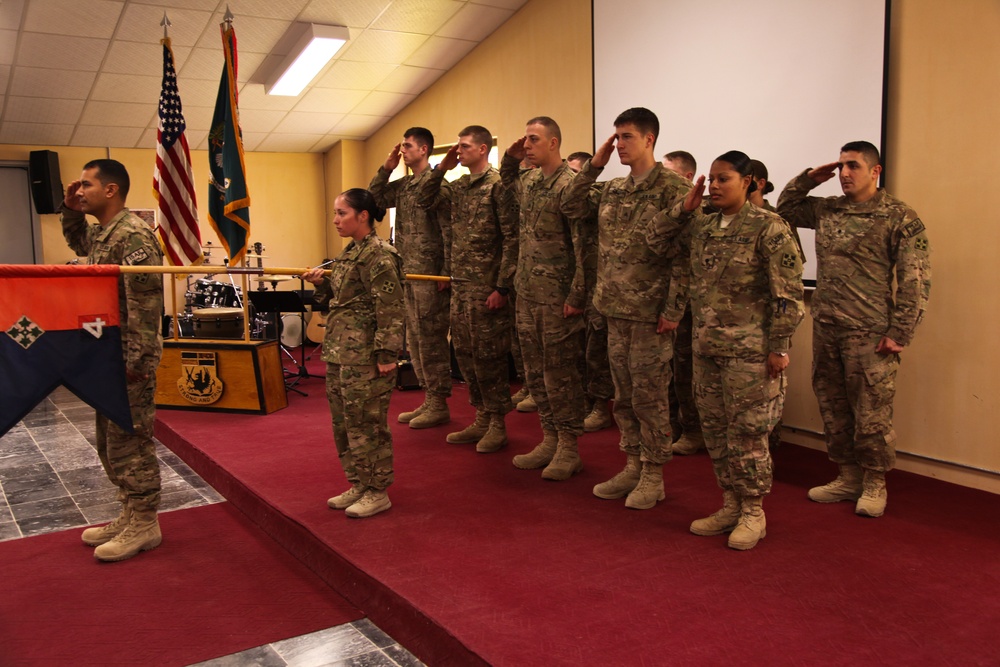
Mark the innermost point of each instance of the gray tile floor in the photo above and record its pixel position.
(51, 479)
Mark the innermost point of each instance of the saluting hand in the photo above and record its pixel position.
(694, 198)
(603, 153)
(516, 149)
(450, 159)
(823, 173)
(69, 200)
(392, 161)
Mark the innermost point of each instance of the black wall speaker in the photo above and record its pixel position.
(46, 186)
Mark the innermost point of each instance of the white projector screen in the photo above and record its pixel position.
(788, 82)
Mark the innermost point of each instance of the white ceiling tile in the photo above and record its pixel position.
(114, 137)
(301, 122)
(359, 127)
(198, 92)
(409, 79)
(4, 76)
(440, 53)
(148, 139)
(352, 13)
(286, 9)
(35, 133)
(8, 43)
(173, 4)
(124, 114)
(506, 4)
(127, 88)
(42, 110)
(37, 82)
(417, 16)
(326, 143)
(475, 22)
(383, 104)
(141, 23)
(260, 120)
(10, 14)
(253, 35)
(252, 96)
(251, 140)
(348, 75)
(196, 118)
(331, 100)
(381, 46)
(65, 52)
(139, 58)
(65, 17)
(208, 63)
(288, 143)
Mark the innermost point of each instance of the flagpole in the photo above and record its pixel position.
(267, 271)
(173, 300)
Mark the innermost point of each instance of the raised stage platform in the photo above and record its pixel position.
(481, 563)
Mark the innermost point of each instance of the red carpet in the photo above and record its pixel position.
(217, 585)
(479, 562)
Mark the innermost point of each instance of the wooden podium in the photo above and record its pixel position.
(221, 376)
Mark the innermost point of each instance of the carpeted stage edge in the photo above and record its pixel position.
(217, 585)
(481, 563)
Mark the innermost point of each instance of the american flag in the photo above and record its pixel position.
(177, 211)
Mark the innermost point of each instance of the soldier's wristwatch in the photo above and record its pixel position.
(502, 291)
(781, 354)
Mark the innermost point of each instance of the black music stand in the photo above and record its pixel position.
(285, 302)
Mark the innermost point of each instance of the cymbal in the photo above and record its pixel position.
(268, 278)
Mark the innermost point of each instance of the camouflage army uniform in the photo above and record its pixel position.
(860, 248)
(129, 459)
(597, 370)
(363, 328)
(746, 301)
(550, 273)
(481, 246)
(636, 284)
(420, 243)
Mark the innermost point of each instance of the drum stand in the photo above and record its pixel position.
(286, 302)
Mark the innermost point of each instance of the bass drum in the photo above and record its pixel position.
(218, 323)
(291, 330)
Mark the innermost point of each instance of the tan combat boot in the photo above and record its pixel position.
(371, 503)
(526, 405)
(621, 484)
(407, 417)
(649, 491)
(847, 486)
(541, 455)
(752, 526)
(689, 443)
(495, 438)
(141, 534)
(521, 394)
(873, 498)
(566, 462)
(435, 413)
(347, 498)
(598, 419)
(471, 433)
(723, 520)
(95, 537)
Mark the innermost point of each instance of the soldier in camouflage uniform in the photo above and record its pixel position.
(364, 332)
(864, 240)
(128, 459)
(481, 247)
(746, 299)
(638, 294)
(421, 244)
(552, 294)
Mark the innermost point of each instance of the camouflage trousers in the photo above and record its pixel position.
(683, 409)
(855, 388)
(597, 371)
(515, 339)
(427, 323)
(640, 368)
(552, 346)
(739, 404)
(359, 407)
(129, 459)
(482, 342)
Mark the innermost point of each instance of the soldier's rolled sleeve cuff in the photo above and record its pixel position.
(385, 357)
(779, 345)
(898, 335)
(672, 315)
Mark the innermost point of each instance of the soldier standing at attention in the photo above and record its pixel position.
(864, 239)
(129, 460)
(551, 295)
(420, 243)
(364, 331)
(746, 298)
(637, 294)
(480, 246)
